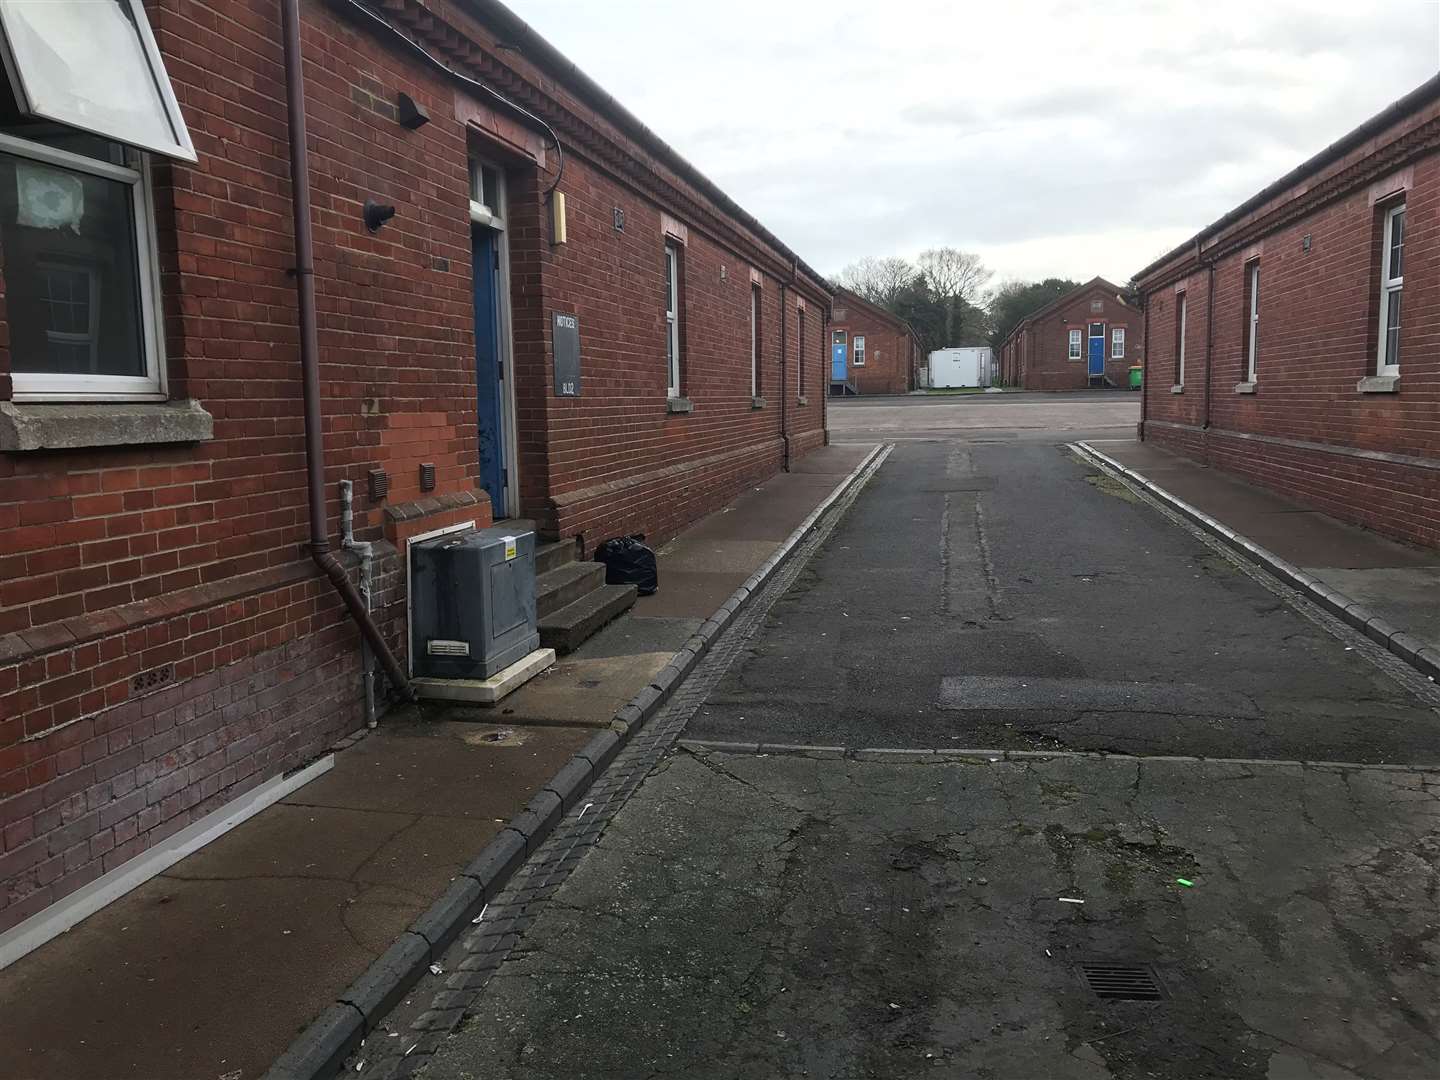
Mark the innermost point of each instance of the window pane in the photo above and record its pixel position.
(1392, 328)
(83, 62)
(669, 281)
(73, 288)
(1397, 245)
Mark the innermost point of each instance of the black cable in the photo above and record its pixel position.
(440, 65)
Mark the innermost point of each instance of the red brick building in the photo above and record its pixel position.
(871, 350)
(170, 459)
(1278, 349)
(1088, 337)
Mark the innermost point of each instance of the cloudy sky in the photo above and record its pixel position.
(1067, 139)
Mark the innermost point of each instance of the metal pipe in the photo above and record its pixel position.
(784, 366)
(1145, 355)
(1209, 325)
(310, 353)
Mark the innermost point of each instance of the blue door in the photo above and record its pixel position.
(489, 374)
(839, 358)
(1097, 349)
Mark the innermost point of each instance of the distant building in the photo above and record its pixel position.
(1088, 337)
(871, 350)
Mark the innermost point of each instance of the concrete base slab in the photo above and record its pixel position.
(487, 691)
(577, 692)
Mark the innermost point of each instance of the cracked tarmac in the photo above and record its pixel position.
(769, 915)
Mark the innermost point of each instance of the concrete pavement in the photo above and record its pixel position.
(1398, 581)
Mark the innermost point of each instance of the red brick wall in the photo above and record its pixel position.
(189, 560)
(1369, 458)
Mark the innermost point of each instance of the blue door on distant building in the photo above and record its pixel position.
(839, 358)
(489, 393)
(1097, 348)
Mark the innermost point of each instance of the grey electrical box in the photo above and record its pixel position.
(472, 603)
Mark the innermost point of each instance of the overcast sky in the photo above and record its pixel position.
(1067, 139)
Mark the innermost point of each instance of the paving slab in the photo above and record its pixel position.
(212, 968)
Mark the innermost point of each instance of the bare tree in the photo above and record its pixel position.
(954, 276)
(880, 281)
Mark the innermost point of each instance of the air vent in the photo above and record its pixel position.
(154, 679)
(1122, 982)
(441, 647)
(379, 484)
(427, 476)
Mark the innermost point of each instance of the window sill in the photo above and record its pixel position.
(1178, 388)
(1245, 388)
(73, 426)
(757, 403)
(1379, 384)
(678, 405)
(802, 401)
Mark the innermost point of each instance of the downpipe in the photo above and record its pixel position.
(310, 356)
(366, 553)
(784, 370)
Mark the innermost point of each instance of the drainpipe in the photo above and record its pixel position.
(784, 369)
(366, 554)
(310, 354)
(1145, 375)
(1209, 324)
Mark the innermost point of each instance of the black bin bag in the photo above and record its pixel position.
(629, 562)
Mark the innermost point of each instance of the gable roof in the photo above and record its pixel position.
(1089, 286)
(854, 299)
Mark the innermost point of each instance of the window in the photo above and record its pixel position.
(1392, 282)
(754, 340)
(800, 358)
(93, 65)
(1076, 342)
(75, 226)
(1117, 343)
(1180, 310)
(487, 194)
(1252, 322)
(672, 319)
(859, 350)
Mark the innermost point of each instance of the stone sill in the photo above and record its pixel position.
(1379, 384)
(757, 403)
(1245, 388)
(79, 425)
(676, 405)
(1178, 388)
(802, 401)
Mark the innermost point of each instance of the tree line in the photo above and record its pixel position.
(944, 296)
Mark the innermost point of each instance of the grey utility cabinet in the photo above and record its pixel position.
(472, 603)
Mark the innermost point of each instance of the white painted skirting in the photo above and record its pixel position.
(81, 904)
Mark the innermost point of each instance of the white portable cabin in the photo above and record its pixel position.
(961, 367)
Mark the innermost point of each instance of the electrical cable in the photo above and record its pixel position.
(440, 65)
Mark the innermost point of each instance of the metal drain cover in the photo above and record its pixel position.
(1122, 982)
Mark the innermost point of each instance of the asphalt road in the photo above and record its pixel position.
(904, 913)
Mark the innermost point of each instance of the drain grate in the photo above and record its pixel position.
(1122, 982)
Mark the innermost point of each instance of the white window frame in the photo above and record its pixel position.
(754, 340)
(1117, 343)
(182, 148)
(492, 217)
(33, 386)
(1389, 287)
(1076, 350)
(1181, 316)
(672, 319)
(800, 349)
(1252, 278)
(857, 350)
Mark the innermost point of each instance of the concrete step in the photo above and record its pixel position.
(564, 630)
(565, 584)
(554, 555)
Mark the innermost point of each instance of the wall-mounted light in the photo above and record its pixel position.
(558, 232)
(410, 112)
(377, 214)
